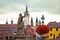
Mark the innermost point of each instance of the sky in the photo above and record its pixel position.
(10, 9)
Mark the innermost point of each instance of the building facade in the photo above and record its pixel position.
(54, 29)
(7, 31)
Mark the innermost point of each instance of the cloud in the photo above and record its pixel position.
(51, 6)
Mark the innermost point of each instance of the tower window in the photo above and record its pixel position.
(56, 29)
(50, 29)
(50, 34)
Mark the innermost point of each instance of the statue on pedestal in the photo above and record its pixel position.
(20, 25)
(22, 33)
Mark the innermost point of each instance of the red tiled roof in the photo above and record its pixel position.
(59, 24)
(53, 24)
(8, 25)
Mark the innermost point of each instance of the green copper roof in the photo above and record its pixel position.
(39, 22)
(42, 17)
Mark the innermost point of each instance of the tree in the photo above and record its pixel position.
(42, 29)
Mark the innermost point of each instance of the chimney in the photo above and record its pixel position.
(11, 21)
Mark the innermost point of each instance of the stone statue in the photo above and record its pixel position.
(20, 21)
(20, 25)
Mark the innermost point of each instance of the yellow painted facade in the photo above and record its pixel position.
(54, 32)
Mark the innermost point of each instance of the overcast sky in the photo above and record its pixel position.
(52, 6)
(11, 7)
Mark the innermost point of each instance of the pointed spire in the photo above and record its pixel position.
(6, 21)
(36, 21)
(26, 12)
(39, 22)
(31, 21)
(26, 9)
(11, 21)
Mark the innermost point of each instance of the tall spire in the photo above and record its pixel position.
(6, 21)
(31, 21)
(39, 22)
(36, 21)
(26, 9)
(26, 12)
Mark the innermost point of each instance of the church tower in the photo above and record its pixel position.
(31, 21)
(26, 16)
(42, 18)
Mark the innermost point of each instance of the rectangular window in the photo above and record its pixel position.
(54, 36)
(50, 34)
(56, 29)
(50, 29)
